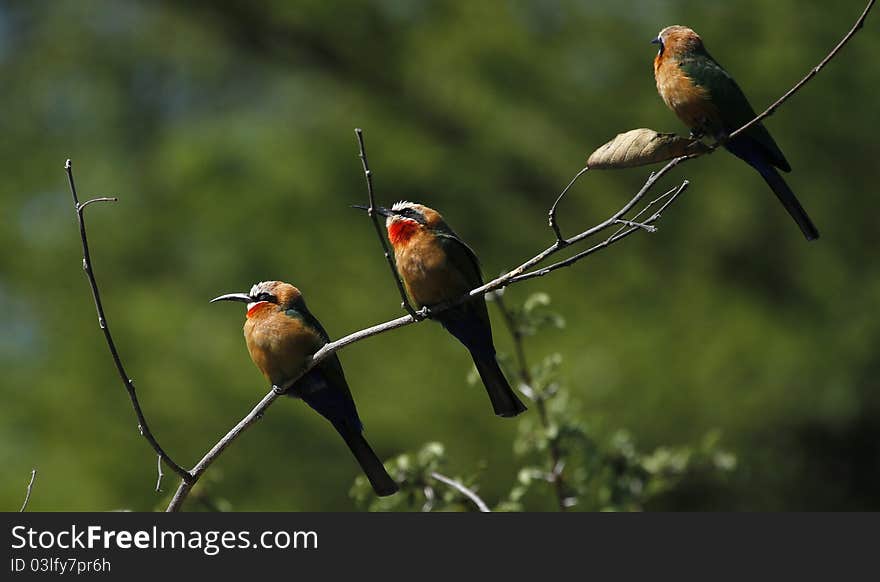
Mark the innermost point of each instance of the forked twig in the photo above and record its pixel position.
(143, 427)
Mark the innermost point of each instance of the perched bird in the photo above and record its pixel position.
(436, 266)
(281, 334)
(707, 99)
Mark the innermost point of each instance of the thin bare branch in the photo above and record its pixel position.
(371, 211)
(253, 416)
(515, 274)
(469, 493)
(860, 22)
(93, 200)
(160, 474)
(143, 427)
(30, 487)
(622, 233)
(552, 213)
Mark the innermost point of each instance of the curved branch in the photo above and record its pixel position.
(860, 22)
(481, 505)
(143, 427)
(256, 414)
(30, 487)
(552, 213)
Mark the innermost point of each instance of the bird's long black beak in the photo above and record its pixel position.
(656, 40)
(380, 210)
(243, 297)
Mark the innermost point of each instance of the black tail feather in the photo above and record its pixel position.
(504, 401)
(789, 200)
(370, 464)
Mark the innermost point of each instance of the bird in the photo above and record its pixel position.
(709, 101)
(281, 334)
(436, 267)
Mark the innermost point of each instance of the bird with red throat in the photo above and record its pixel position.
(708, 100)
(281, 335)
(437, 267)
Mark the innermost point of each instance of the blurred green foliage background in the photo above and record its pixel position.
(226, 131)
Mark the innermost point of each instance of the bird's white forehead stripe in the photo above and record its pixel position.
(402, 204)
(259, 287)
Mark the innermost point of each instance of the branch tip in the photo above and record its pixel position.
(161, 474)
(30, 487)
(368, 175)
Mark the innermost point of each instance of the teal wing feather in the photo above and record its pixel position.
(462, 258)
(300, 311)
(732, 104)
(330, 367)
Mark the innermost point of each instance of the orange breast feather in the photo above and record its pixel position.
(426, 272)
(278, 344)
(690, 102)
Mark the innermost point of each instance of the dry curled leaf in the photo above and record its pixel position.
(639, 147)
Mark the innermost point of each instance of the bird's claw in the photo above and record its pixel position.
(417, 314)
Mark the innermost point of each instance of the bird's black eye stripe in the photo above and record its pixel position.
(413, 214)
(265, 297)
